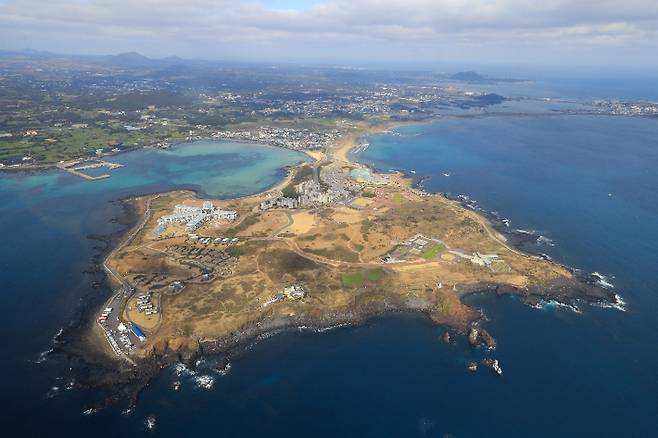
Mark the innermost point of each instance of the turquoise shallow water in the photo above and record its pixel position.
(46, 219)
(213, 169)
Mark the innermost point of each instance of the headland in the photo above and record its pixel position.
(334, 243)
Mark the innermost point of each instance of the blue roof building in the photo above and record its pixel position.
(140, 335)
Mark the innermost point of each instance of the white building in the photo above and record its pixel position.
(194, 217)
(294, 292)
(279, 201)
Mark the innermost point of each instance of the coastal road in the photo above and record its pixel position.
(127, 240)
(117, 302)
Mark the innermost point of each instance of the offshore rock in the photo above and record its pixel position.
(473, 335)
(488, 340)
(479, 336)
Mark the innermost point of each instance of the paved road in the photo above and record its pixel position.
(122, 343)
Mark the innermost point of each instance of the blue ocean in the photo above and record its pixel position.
(587, 184)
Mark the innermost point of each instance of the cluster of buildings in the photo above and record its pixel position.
(294, 292)
(145, 305)
(626, 108)
(194, 217)
(397, 101)
(337, 186)
(215, 240)
(297, 139)
(309, 194)
(279, 201)
(484, 260)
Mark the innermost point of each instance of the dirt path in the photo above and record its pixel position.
(280, 229)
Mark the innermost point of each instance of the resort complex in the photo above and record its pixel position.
(194, 217)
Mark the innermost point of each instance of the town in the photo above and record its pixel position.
(72, 110)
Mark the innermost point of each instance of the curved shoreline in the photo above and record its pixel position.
(37, 168)
(42, 168)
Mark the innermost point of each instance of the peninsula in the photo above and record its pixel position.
(334, 243)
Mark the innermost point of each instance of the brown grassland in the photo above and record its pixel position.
(335, 253)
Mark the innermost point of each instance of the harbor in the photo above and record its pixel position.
(78, 167)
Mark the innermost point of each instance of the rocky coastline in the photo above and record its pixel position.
(584, 286)
(127, 382)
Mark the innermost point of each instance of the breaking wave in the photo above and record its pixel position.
(43, 356)
(204, 381)
(551, 304)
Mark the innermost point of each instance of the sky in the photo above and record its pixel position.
(353, 32)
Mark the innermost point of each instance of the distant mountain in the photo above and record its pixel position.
(129, 59)
(125, 61)
(469, 76)
(173, 60)
(137, 60)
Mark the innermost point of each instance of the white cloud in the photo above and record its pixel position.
(348, 29)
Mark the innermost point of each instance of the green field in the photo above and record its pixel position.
(433, 251)
(374, 274)
(397, 198)
(358, 278)
(56, 145)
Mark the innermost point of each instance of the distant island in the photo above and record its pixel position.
(471, 76)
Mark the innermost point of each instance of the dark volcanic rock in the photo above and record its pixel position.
(478, 336)
(223, 365)
(488, 340)
(473, 336)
